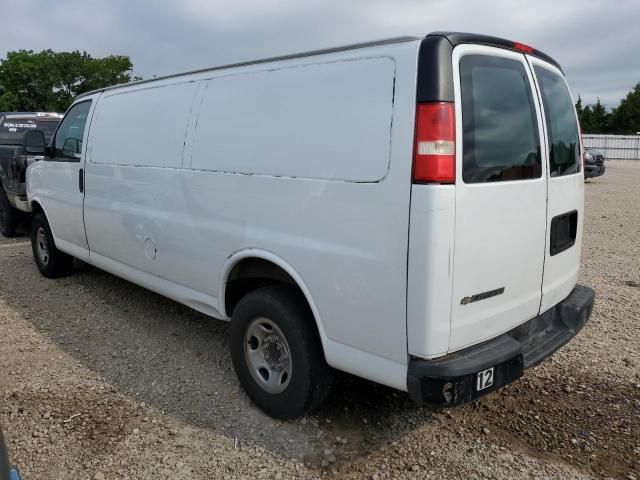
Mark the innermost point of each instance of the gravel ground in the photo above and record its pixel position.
(102, 379)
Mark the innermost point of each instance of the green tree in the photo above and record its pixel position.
(579, 106)
(582, 115)
(593, 118)
(626, 118)
(599, 118)
(586, 119)
(50, 80)
(25, 79)
(68, 74)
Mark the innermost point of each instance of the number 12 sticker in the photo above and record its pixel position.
(484, 379)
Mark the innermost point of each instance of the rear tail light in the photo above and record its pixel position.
(435, 149)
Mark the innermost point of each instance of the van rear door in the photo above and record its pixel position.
(565, 206)
(500, 195)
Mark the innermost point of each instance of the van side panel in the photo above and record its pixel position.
(431, 247)
(134, 134)
(327, 121)
(332, 202)
(144, 127)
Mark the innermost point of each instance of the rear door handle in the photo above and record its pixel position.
(81, 181)
(563, 232)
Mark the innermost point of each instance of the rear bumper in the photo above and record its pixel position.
(452, 379)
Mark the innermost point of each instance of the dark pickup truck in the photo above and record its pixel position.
(15, 156)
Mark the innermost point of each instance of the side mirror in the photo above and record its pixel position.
(34, 142)
(49, 151)
(72, 147)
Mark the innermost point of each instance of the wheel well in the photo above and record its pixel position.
(250, 274)
(36, 208)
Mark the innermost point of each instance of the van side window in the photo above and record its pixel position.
(68, 140)
(501, 141)
(562, 126)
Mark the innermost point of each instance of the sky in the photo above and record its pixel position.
(596, 42)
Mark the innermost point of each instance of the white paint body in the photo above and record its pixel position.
(306, 163)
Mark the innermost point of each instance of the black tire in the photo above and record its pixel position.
(55, 263)
(310, 379)
(9, 217)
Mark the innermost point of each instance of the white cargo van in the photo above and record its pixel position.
(409, 211)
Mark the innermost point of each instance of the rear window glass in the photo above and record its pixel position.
(12, 129)
(501, 141)
(562, 126)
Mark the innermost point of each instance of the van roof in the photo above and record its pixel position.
(263, 60)
(455, 38)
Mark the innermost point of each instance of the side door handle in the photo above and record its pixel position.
(81, 180)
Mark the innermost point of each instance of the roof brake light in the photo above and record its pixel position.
(523, 48)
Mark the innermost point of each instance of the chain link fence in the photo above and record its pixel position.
(614, 147)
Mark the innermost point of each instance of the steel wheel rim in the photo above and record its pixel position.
(267, 355)
(42, 246)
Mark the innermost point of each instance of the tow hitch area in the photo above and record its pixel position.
(470, 373)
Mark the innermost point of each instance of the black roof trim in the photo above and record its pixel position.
(312, 53)
(459, 38)
(435, 70)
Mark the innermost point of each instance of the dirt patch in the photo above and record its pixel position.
(589, 422)
(56, 415)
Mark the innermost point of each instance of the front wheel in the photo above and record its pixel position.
(276, 352)
(51, 262)
(9, 216)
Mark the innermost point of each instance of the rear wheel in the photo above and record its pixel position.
(51, 262)
(9, 216)
(276, 352)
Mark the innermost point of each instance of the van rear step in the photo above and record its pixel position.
(466, 375)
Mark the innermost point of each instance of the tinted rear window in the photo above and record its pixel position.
(562, 126)
(500, 132)
(12, 129)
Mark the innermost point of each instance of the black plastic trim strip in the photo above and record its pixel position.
(435, 70)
